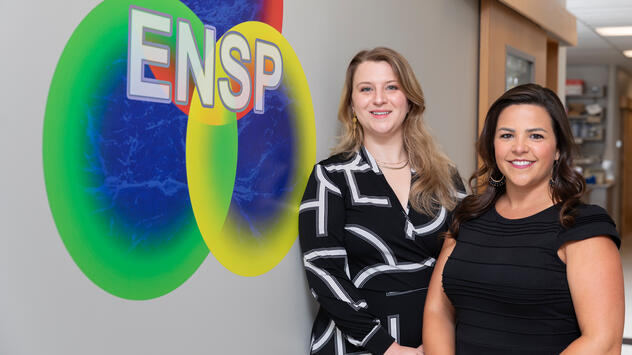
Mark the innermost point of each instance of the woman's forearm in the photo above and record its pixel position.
(439, 314)
(438, 333)
(606, 345)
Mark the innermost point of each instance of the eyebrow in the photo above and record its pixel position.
(528, 130)
(370, 83)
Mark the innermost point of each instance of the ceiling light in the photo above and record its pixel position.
(615, 31)
(628, 53)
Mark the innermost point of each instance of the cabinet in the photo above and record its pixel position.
(587, 116)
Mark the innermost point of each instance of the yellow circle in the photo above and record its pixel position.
(241, 252)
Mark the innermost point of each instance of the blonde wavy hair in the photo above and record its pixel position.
(434, 184)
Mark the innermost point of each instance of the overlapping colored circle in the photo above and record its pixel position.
(141, 191)
(275, 154)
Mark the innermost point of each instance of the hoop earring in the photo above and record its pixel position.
(496, 182)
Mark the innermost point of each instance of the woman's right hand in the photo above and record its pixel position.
(396, 349)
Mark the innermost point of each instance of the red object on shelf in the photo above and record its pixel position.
(574, 86)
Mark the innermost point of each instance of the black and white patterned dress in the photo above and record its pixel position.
(368, 260)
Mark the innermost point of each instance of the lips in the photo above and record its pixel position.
(380, 114)
(521, 164)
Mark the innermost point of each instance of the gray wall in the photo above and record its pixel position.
(48, 306)
(439, 38)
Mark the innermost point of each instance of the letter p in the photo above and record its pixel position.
(264, 79)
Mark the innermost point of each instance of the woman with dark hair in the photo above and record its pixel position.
(526, 268)
(371, 215)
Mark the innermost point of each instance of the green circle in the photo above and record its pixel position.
(90, 240)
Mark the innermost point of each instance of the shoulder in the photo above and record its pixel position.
(339, 158)
(324, 166)
(484, 222)
(590, 221)
(331, 170)
(585, 213)
(486, 217)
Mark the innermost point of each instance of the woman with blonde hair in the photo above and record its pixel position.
(372, 212)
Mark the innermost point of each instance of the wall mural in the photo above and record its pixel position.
(173, 128)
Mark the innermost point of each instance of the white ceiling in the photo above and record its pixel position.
(593, 48)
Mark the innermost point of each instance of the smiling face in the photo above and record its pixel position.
(525, 146)
(378, 101)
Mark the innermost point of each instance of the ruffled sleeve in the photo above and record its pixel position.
(590, 221)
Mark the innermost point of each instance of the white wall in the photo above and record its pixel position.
(561, 67)
(561, 74)
(48, 306)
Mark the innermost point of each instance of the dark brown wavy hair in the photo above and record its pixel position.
(567, 185)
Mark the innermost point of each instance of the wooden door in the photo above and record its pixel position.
(504, 30)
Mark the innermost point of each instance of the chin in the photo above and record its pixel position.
(383, 132)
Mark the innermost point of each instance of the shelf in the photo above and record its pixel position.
(588, 118)
(592, 139)
(587, 161)
(581, 140)
(606, 185)
(586, 96)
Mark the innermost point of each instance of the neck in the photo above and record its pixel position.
(528, 198)
(389, 150)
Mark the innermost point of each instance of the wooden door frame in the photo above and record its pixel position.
(535, 27)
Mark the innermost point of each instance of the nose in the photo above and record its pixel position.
(379, 98)
(520, 146)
